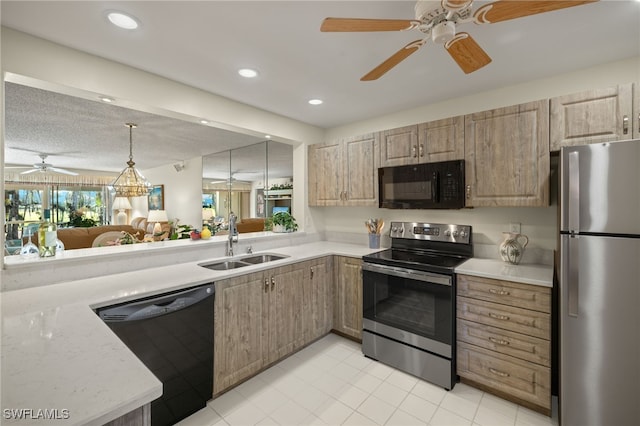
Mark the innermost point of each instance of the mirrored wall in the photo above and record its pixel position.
(253, 182)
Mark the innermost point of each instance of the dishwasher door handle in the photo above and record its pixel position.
(155, 306)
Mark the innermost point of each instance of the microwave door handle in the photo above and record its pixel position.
(435, 186)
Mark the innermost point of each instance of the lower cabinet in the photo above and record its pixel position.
(504, 339)
(347, 311)
(262, 317)
(318, 297)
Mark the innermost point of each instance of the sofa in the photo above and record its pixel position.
(77, 238)
(252, 224)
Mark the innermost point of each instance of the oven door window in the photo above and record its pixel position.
(415, 306)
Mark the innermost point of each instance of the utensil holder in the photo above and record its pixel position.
(374, 241)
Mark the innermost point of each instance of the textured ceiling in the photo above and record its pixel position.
(81, 134)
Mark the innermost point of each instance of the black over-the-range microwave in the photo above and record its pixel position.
(422, 186)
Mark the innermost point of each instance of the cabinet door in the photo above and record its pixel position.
(325, 172)
(593, 116)
(239, 339)
(285, 319)
(441, 140)
(360, 171)
(318, 298)
(399, 146)
(348, 296)
(507, 156)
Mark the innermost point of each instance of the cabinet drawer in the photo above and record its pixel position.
(507, 375)
(518, 345)
(523, 321)
(506, 292)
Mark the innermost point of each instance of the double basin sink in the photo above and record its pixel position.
(254, 259)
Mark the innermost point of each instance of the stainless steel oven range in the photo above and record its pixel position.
(409, 299)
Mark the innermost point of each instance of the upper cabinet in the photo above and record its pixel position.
(400, 146)
(344, 173)
(440, 140)
(507, 156)
(594, 116)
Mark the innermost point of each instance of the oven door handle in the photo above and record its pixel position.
(408, 273)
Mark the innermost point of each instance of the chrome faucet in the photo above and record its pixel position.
(233, 233)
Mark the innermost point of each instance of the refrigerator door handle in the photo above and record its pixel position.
(573, 270)
(574, 192)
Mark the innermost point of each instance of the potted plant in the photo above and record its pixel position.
(283, 222)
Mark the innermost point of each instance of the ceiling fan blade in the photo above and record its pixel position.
(504, 10)
(394, 60)
(26, 172)
(467, 53)
(357, 25)
(63, 171)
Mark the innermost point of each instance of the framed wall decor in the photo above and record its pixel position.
(156, 198)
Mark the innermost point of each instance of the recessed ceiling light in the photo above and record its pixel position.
(247, 72)
(106, 99)
(315, 101)
(204, 122)
(122, 20)
(267, 136)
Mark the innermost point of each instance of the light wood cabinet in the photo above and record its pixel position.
(139, 417)
(258, 319)
(347, 313)
(400, 146)
(507, 156)
(504, 339)
(344, 173)
(594, 116)
(441, 140)
(318, 297)
(240, 335)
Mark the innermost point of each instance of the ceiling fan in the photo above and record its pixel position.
(438, 20)
(43, 167)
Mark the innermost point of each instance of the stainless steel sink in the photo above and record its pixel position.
(225, 265)
(262, 258)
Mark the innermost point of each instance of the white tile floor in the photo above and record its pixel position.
(331, 383)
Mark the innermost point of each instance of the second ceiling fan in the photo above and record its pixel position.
(438, 20)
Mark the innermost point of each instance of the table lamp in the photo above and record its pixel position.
(157, 216)
(121, 204)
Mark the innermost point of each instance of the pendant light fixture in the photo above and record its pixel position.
(131, 183)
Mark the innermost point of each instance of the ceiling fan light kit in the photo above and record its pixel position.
(438, 21)
(130, 182)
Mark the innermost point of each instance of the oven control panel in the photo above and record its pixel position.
(431, 231)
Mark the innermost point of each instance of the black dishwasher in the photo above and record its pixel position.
(172, 334)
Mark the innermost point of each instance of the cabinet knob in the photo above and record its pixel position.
(415, 152)
(273, 283)
(625, 125)
(421, 150)
(312, 272)
(468, 191)
(266, 285)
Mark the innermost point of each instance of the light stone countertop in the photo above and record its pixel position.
(57, 353)
(541, 275)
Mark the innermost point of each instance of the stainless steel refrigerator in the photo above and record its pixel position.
(599, 293)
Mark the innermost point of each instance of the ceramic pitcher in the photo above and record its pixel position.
(512, 247)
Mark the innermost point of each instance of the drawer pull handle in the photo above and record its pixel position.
(273, 282)
(498, 373)
(625, 125)
(266, 285)
(499, 341)
(500, 317)
(499, 292)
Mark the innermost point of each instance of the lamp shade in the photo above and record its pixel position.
(157, 216)
(121, 203)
